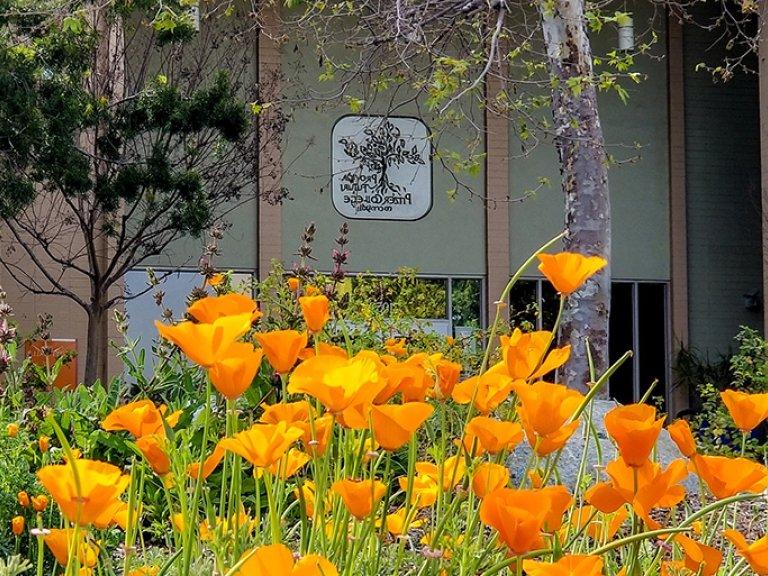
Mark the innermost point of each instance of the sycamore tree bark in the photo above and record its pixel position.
(108, 82)
(583, 167)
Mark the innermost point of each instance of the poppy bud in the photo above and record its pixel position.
(39, 503)
(17, 525)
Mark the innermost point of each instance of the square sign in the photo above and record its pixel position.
(381, 167)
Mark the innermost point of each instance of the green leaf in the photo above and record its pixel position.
(72, 25)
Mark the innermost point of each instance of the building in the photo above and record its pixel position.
(687, 208)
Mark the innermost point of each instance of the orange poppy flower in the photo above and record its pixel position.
(315, 310)
(393, 425)
(291, 462)
(17, 525)
(410, 379)
(39, 502)
(293, 283)
(121, 516)
(360, 497)
(323, 348)
(23, 499)
(92, 500)
(215, 280)
(233, 375)
(288, 412)
(680, 432)
(486, 392)
(447, 374)
(747, 410)
(424, 490)
(518, 516)
(523, 354)
(209, 464)
(307, 493)
(262, 444)
(282, 348)
(490, 435)
(154, 451)
(398, 522)
(489, 477)
(635, 429)
(278, 559)
(338, 383)
(140, 418)
(59, 542)
(316, 434)
(206, 344)
(699, 558)
(559, 501)
(726, 477)
(395, 346)
(209, 309)
(544, 412)
(756, 554)
(655, 488)
(12, 430)
(569, 565)
(448, 475)
(567, 271)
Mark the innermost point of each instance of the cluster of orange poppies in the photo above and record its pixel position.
(372, 404)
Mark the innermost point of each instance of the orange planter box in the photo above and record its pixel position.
(67, 378)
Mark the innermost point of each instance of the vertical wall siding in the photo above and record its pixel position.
(723, 198)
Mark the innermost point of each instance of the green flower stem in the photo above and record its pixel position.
(684, 525)
(599, 384)
(74, 556)
(190, 511)
(235, 480)
(40, 546)
(507, 562)
(648, 392)
(638, 538)
(505, 295)
(274, 515)
(134, 492)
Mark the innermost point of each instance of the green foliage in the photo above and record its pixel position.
(14, 566)
(17, 464)
(747, 371)
(146, 166)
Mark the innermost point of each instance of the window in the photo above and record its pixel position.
(142, 311)
(638, 322)
(451, 306)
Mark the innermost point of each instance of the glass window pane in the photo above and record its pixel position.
(466, 294)
(550, 304)
(621, 328)
(404, 295)
(652, 338)
(523, 307)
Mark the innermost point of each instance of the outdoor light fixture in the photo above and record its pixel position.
(194, 14)
(627, 35)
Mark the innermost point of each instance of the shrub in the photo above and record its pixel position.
(747, 371)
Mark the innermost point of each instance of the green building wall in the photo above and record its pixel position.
(723, 198)
(639, 183)
(449, 240)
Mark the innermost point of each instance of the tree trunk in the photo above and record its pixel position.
(584, 171)
(97, 345)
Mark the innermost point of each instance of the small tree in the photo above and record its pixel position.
(115, 141)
